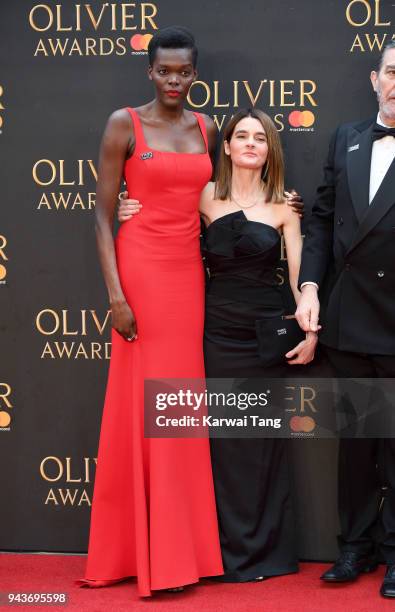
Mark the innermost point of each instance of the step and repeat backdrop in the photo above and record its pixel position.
(65, 67)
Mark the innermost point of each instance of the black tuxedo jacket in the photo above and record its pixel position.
(351, 246)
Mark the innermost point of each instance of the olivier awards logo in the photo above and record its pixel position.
(3, 259)
(1, 110)
(371, 23)
(70, 334)
(67, 478)
(301, 424)
(65, 186)
(86, 30)
(290, 100)
(5, 406)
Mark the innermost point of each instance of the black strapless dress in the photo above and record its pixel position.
(256, 521)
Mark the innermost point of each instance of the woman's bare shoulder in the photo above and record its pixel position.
(209, 189)
(207, 198)
(119, 123)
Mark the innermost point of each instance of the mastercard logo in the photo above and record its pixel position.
(140, 42)
(301, 119)
(304, 424)
(5, 419)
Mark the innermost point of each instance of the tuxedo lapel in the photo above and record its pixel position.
(359, 152)
(380, 205)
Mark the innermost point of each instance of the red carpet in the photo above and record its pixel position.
(301, 592)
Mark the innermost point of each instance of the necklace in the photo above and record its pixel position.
(242, 206)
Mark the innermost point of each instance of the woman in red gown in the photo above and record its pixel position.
(153, 513)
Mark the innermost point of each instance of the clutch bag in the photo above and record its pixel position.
(276, 336)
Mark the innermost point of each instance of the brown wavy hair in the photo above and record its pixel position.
(272, 171)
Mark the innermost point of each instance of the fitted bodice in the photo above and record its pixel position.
(168, 185)
(242, 257)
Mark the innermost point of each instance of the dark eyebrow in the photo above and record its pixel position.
(189, 65)
(390, 66)
(245, 132)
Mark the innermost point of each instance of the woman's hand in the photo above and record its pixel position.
(123, 320)
(304, 352)
(296, 202)
(127, 207)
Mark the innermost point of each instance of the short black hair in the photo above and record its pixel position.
(388, 46)
(173, 37)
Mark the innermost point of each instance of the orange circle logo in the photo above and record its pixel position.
(3, 272)
(5, 419)
(305, 424)
(140, 42)
(301, 119)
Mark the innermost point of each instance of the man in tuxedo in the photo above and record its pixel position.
(350, 240)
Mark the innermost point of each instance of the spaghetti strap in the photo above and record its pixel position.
(202, 126)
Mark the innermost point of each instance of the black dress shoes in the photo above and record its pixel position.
(349, 565)
(388, 586)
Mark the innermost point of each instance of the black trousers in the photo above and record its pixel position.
(364, 467)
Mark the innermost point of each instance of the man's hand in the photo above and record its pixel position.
(294, 200)
(127, 207)
(308, 309)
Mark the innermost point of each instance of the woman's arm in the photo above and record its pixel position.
(293, 245)
(304, 352)
(117, 141)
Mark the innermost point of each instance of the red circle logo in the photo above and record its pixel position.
(305, 424)
(301, 119)
(140, 42)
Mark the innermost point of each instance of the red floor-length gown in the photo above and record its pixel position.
(153, 513)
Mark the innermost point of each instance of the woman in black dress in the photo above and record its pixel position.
(245, 214)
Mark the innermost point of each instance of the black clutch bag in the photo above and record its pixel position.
(276, 336)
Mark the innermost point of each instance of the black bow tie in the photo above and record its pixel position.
(379, 131)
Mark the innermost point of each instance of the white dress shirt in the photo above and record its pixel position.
(383, 153)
